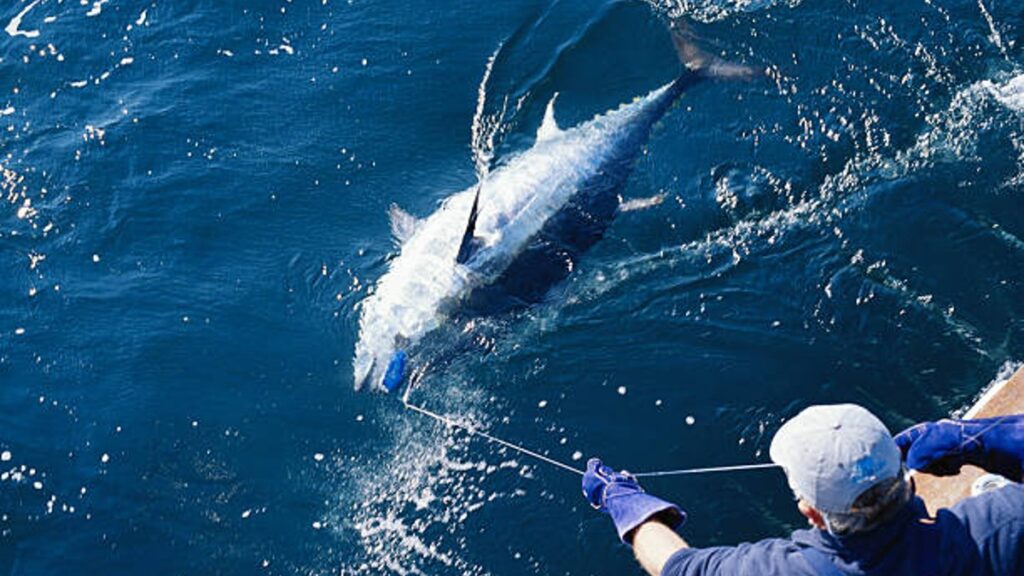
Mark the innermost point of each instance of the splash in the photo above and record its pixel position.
(954, 132)
(1009, 93)
(409, 512)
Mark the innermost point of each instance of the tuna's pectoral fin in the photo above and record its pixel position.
(470, 244)
(403, 225)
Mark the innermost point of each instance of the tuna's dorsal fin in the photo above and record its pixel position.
(470, 243)
(403, 224)
(549, 127)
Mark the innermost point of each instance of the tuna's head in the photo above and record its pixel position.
(402, 309)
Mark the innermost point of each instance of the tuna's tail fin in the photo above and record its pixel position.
(700, 62)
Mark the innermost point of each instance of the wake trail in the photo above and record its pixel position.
(952, 136)
(994, 36)
(485, 127)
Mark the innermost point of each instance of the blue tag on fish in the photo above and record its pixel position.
(395, 371)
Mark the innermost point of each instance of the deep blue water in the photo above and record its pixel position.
(194, 200)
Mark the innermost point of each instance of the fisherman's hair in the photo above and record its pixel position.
(873, 507)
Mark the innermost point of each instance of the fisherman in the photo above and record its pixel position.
(849, 476)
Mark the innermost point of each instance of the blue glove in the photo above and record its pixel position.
(620, 496)
(941, 448)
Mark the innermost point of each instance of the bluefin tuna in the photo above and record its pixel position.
(565, 187)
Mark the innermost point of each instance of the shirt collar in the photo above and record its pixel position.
(865, 541)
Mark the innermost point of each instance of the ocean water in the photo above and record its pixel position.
(193, 202)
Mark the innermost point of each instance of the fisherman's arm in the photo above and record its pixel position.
(647, 523)
(941, 448)
(654, 543)
(995, 519)
(642, 520)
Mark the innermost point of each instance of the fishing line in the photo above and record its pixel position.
(474, 431)
(736, 468)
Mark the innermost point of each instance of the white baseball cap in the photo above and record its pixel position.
(833, 454)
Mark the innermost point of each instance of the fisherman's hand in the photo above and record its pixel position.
(620, 496)
(941, 448)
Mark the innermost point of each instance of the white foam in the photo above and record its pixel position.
(409, 509)
(483, 129)
(97, 8)
(13, 27)
(1009, 94)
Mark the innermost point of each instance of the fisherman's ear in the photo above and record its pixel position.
(814, 518)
